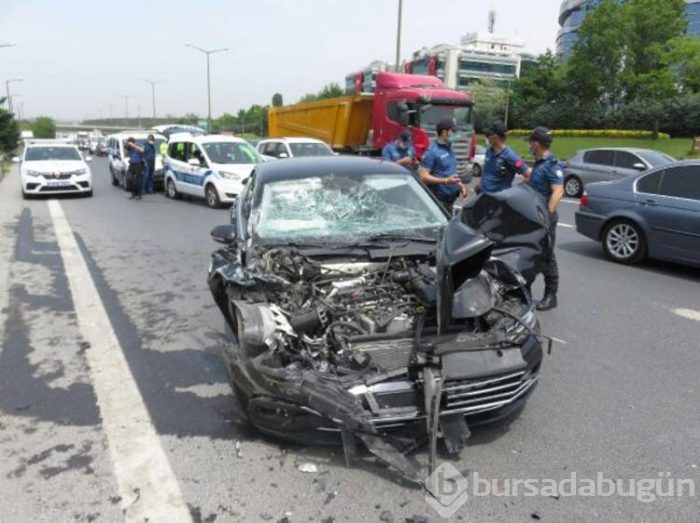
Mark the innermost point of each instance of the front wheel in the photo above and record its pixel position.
(573, 186)
(624, 242)
(212, 196)
(171, 191)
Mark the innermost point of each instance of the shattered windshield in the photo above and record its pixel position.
(350, 207)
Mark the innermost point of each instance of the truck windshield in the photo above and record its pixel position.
(431, 114)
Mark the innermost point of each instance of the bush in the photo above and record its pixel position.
(593, 133)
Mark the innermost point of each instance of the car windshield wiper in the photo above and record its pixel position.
(392, 236)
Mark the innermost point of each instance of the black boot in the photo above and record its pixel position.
(549, 301)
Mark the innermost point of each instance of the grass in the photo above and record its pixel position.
(565, 147)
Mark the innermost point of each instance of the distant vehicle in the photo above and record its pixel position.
(654, 214)
(213, 167)
(293, 147)
(26, 135)
(168, 130)
(119, 160)
(363, 122)
(101, 148)
(608, 164)
(477, 162)
(54, 168)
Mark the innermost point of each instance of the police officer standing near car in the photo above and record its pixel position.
(149, 155)
(547, 178)
(136, 164)
(401, 150)
(501, 163)
(438, 168)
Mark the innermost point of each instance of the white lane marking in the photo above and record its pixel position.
(558, 340)
(689, 314)
(565, 225)
(574, 201)
(141, 466)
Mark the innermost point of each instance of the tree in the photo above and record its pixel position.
(332, 90)
(44, 127)
(683, 58)
(277, 100)
(490, 100)
(9, 132)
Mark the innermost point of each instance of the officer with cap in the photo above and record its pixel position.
(438, 168)
(501, 163)
(547, 178)
(400, 150)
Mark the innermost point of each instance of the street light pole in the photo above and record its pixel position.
(153, 94)
(398, 37)
(207, 52)
(126, 106)
(7, 89)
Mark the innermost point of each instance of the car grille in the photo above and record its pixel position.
(472, 396)
(62, 176)
(461, 150)
(60, 188)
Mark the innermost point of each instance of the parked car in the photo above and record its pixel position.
(293, 147)
(351, 317)
(608, 164)
(477, 163)
(119, 160)
(654, 214)
(54, 168)
(214, 167)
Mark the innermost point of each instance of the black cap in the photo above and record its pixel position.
(446, 124)
(405, 135)
(497, 128)
(542, 135)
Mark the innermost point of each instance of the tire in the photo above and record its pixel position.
(476, 170)
(573, 186)
(212, 197)
(624, 242)
(171, 190)
(88, 194)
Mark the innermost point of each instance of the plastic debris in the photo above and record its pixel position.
(307, 467)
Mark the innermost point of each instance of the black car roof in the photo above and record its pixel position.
(286, 169)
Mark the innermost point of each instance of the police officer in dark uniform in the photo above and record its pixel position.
(400, 150)
(136, 165)
(438, 168)
(501, 163)
(547, 178)
(149, 154)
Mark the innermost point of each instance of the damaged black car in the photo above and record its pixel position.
(363, 314)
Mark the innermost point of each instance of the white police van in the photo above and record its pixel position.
(212, 167)
(119, 157)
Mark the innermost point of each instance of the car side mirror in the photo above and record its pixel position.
(282, 155)
(194, 162)
(639, 167)
(225, 234)
(15, 159)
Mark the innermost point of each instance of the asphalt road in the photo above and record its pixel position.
(619, 395)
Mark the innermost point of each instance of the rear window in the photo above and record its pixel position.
(682, 182)
(656, 159)
(650, 183)
(600, 157)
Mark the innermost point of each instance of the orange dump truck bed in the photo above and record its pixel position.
(343, 122)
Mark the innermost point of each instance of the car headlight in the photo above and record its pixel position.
(230, 176)
(81, 171)
(33, 173)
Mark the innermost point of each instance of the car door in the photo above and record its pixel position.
(199, 172)
(673, 212)
(625, 163)
(599, 165)
(177, 163)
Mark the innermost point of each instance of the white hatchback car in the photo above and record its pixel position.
(213, 167)
(293, 147)
(54, 168)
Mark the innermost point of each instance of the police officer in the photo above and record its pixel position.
(501, 163)
(149, 154)
(547, 178)
(438, 168)
(400, 150)
(135, 152)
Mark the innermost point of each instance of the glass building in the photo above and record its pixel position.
(572, 13)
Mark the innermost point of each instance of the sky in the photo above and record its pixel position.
(77, 57)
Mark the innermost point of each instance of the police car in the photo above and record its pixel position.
(119, 157)
(213, 167)
(54, 167)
